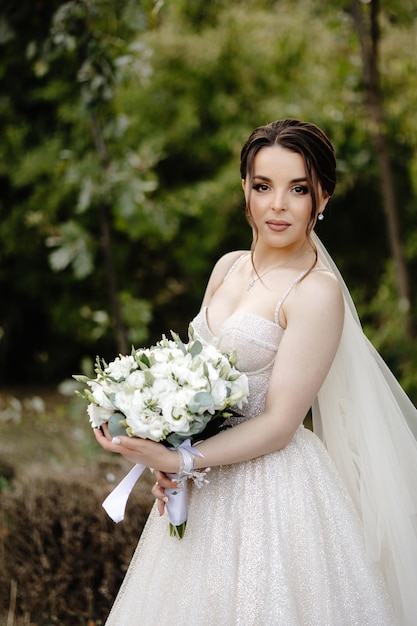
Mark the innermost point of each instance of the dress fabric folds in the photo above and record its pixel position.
(272, 541)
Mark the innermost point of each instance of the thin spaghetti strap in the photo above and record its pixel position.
(291, 287)
(233, 266)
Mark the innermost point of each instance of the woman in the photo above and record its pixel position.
(280, 535)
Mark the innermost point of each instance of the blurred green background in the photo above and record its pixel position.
(122, 124)
(121, 127)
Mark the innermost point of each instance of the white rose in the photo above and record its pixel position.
(182, 373)
(162, 369)
(174, 409)
(198, 381)
(163, 387)
(219, 393)
(147, 397)
(211, 353)
(98, 415)
(147, 424)
(121, 367)
(101, 396)
(161, 355)
(136, 379)
(129, 404)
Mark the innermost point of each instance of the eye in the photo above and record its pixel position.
(300, 190)
(261, 187)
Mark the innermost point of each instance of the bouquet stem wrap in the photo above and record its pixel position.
(116, 501)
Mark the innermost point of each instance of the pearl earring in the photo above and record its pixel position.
(320, 217)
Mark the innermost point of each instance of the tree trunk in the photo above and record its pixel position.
(368, 34)
(106, 243)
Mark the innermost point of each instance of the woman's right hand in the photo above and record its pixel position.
(158, 490)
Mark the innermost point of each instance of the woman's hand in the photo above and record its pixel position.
(158, 490)
(136, 450)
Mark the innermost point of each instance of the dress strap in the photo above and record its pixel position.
(233, 266)
(291, 287)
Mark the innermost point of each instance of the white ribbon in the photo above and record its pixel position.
(177, 503)
(115, 503)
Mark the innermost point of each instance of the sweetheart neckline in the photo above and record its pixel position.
(242, 313)
(276, 324)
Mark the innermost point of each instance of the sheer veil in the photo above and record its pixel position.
(369, 426)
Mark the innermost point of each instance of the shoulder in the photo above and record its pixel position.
(317, 296)
(225, 264)
(220, 271)
(320, 290)
(321, 283)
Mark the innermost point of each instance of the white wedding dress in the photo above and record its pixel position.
(272, 541)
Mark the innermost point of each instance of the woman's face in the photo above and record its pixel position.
(279, 198)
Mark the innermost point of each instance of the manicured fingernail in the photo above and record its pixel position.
(166, 499)
(116, 440)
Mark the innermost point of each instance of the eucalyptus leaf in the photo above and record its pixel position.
(174, 439)
(117, 425)
(196, 348)
(203, 400)
(179, 342)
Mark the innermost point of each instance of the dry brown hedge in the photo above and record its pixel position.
(65, 556)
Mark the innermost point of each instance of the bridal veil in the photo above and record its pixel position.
(369, 426)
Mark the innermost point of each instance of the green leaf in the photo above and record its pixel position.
(117, 424)
(144, 362)
(202, 400)
(195, 348)
(149, 378)
(179, 342)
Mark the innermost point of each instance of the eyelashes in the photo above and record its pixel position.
(261, 187)
(299, 190)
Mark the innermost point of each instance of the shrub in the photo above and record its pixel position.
(60, 550)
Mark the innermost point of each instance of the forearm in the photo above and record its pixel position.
(250, 439)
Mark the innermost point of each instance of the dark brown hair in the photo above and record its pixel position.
(307, 140)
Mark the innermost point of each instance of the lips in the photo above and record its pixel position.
(278, 225)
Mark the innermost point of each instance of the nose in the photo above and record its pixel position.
(278, 201)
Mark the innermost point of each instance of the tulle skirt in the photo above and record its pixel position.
(273, 541)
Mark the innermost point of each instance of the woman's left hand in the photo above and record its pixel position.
(158, 490)
(136, 450)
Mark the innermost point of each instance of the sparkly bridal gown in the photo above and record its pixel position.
(272, 541)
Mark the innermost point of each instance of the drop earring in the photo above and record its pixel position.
(320, 217)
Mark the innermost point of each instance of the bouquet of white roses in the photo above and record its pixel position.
(171, 392)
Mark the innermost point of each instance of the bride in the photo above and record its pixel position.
(294, 528)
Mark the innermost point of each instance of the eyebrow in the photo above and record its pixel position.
(303, 179)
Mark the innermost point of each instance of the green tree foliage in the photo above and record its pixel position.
(142, 108)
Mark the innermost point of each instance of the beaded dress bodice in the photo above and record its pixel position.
(256, 342)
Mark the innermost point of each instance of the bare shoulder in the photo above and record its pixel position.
(227, 260)
(321, 283)
(319, 296)
(219, 272)
(224, 264)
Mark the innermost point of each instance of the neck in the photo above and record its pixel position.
(264, 260)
